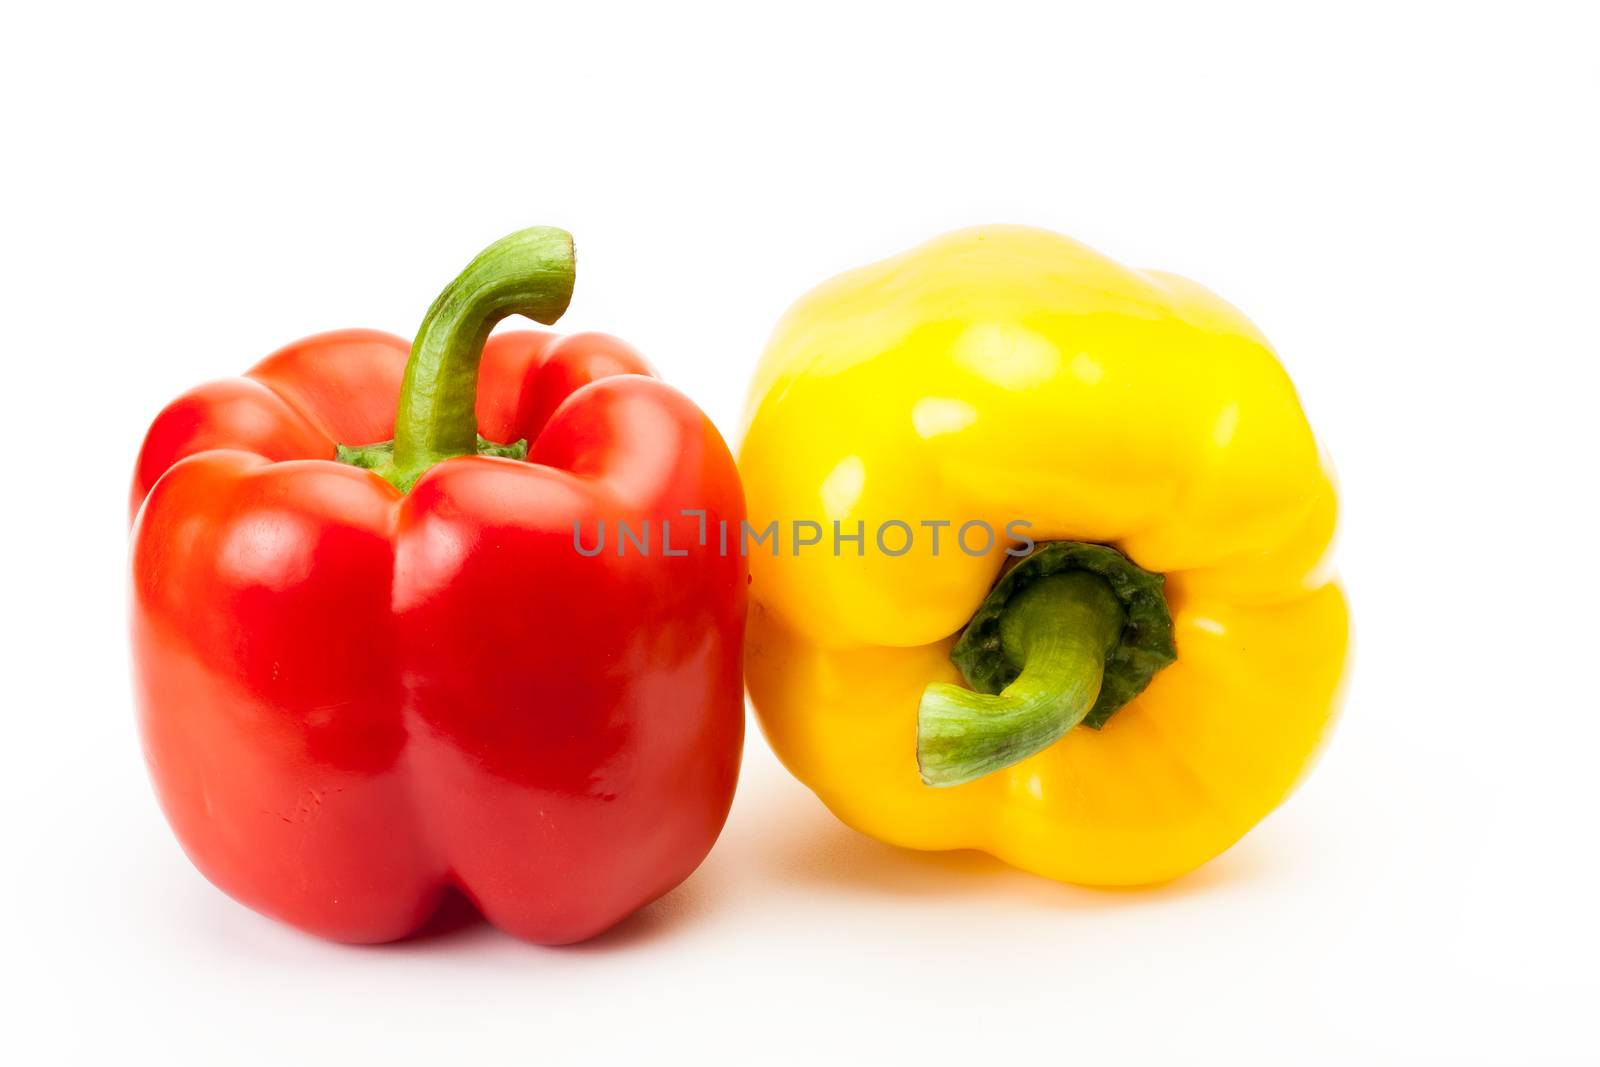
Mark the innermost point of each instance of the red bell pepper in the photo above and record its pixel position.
(362, 681)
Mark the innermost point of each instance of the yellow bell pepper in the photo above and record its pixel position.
(1012, 379)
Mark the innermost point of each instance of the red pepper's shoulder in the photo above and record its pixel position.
(644, 437)
(347, 382)
(559, 367)
(333, 388)
(234, 413)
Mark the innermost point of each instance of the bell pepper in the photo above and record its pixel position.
(1146, 657)
(371, 666)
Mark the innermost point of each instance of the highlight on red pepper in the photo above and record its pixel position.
(370, 666)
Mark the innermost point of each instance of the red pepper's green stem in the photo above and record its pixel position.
(528, 273)
(1058, 631)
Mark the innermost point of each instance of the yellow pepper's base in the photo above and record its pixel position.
(1176, 777)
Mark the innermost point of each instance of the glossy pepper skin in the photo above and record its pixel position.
(1007, 373)
(352, 697)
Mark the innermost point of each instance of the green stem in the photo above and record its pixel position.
(528, 273)
(1058, 632)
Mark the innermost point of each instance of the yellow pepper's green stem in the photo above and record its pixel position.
(1058, 632)
(528, 273)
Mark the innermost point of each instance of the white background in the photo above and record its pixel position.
(1403, 197)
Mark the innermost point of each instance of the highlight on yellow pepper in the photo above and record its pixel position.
(1141, 658)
